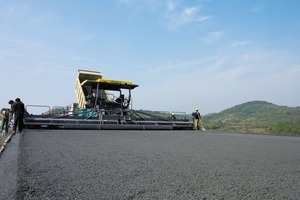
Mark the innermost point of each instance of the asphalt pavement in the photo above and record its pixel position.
(81, 164)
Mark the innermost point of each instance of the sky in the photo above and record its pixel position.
(206, 54)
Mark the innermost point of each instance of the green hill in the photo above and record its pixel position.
(256, 117)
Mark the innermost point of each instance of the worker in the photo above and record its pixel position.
(173, 116)
(90, 100)
(197, 120)
(5, 112)
(11, 103)
(11, 114)
(18, 110)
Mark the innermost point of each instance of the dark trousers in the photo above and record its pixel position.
(18, 122)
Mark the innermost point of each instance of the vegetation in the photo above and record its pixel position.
(256, 117)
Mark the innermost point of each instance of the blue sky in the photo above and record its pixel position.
(209, 54)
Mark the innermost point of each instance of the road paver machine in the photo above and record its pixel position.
(104, 104)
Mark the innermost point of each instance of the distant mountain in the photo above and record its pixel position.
(256, 117)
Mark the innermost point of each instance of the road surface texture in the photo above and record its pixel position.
(81, 164)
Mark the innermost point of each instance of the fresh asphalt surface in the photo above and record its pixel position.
(81, 164)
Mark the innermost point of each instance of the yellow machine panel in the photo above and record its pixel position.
(91, 83)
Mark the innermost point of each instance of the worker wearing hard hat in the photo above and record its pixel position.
(173, 116)
(197, 120)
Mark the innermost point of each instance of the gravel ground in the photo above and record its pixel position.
(8, 169)
(77, 164)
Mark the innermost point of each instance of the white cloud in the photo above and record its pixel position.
(171, 5)
(174, 15)
(212, 37)
(191, 14)
(177, 16)
(239, 43)
(175, 21)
